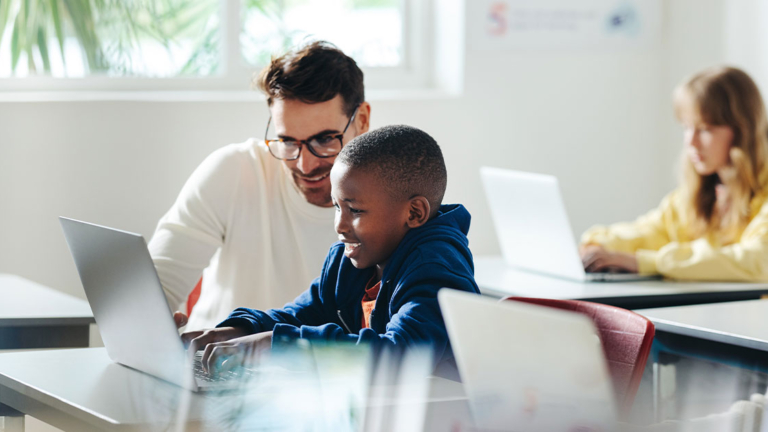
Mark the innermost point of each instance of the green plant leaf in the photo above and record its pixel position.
(15, 48)
(42, 44)
(192, 17)
(58, 27)
(81, 16)
(30, 36)
(5, 10)
(111, 33)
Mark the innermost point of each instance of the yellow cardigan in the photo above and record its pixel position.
(663, 243)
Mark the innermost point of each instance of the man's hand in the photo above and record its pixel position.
(225, 355)
(180, 319)
(596, 259)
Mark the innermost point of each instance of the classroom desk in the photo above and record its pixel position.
(83, 390)
(734, 334)
(34, 316)
(497, 279)
(743, 324)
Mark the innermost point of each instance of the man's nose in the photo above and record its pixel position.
(307, 162)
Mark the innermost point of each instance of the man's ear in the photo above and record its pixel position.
(418, 211)
(363, 118)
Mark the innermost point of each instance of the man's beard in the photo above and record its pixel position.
(319, 196)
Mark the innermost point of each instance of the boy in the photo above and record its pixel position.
(397, 247)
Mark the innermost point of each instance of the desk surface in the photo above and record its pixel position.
(26, 303)
(82, 389)
(743, 323)
(496, 278)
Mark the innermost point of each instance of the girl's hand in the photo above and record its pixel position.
(596, 259)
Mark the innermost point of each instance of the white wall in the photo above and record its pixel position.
(600, 121)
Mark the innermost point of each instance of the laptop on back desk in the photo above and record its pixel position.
(533, 228)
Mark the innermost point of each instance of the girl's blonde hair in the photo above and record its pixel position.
(725, 96)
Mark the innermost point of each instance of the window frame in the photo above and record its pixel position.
(413, 73)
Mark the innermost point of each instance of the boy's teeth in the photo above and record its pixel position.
(317, 178)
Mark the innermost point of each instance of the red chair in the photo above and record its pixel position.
(626, 338)
(194, 296)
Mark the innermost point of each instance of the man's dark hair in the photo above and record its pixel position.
(313, 73)
(407, 160)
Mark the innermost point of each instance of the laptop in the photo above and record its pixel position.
(130, 308)
(533, 228)
(527, 367)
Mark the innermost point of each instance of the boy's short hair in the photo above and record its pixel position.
(313, 73)
(407, 160)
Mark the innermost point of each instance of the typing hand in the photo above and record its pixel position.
(226, 355)
(596, 259)
(199, 339)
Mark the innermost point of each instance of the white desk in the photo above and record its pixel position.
(82, 390)
(497, 279)
(34, 316)
(743, 323)
(734, 334)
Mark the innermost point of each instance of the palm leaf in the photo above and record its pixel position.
(81, 17)
(30, 38)
(123, 25)
(58, 27)
(191, 17)
(208, 46)
(15, 47)
(42, 45)
(5, 11)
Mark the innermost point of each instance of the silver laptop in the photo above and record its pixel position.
(533, 228)
(528, 368)
(130, 308)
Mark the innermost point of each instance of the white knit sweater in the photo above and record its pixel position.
(241, 223)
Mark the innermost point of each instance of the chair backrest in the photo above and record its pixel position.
(626, 338)
(194, 296)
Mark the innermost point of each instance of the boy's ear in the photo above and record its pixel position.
(418, 211)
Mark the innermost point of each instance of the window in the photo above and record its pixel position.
(370, 31)
(201, 44)
(74, 39)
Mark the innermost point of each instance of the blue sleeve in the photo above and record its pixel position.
(415, 314)
(309, 308)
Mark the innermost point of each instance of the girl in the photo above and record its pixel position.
(714, 226)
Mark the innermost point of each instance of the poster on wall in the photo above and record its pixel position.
(564, 24)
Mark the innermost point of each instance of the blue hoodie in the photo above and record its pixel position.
(406, 312)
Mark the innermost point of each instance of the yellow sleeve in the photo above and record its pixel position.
(650, 231)
(746, 260)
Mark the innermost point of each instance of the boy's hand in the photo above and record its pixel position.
(197, 340)
(225, 355)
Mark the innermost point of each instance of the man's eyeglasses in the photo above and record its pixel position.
(324, 146)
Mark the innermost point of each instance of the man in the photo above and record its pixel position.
(256, 219)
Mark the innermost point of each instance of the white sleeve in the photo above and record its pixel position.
(194, 228)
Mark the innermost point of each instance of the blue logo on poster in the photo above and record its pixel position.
(623, 20)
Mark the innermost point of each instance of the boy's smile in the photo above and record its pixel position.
(368, 220)
(350, 249)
